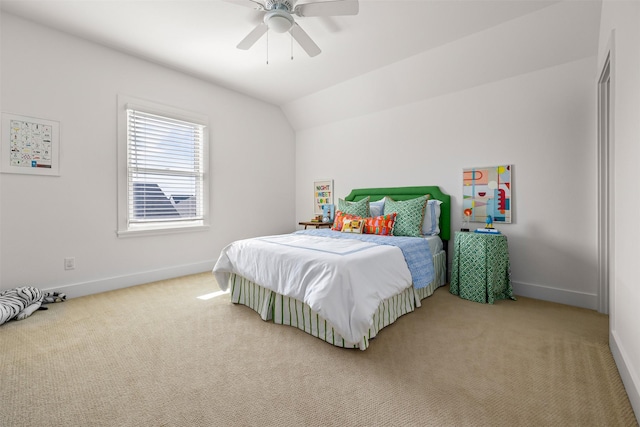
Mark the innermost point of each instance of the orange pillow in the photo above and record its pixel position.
(382, 225)
(340, 216)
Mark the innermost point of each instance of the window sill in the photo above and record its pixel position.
(149, 231)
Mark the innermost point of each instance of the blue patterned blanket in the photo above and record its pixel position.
(416, 251)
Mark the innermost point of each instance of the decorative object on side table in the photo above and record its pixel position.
(465, 221)
(489, 222)
(328, 211)
(487, 231)
(489, 227)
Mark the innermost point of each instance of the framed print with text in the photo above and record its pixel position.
(322, 194)
(30, 145)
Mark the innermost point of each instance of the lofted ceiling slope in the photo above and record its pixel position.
(200, 37)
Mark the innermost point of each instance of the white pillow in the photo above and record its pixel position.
(376, 208)
(431, 223)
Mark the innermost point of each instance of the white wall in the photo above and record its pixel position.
(541, 121)
(0, 129)
(51, 75)
(620, 33)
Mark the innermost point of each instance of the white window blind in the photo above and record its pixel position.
(165, 172)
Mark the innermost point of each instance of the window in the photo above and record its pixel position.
(162, 157)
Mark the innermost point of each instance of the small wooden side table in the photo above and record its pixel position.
(315, 224)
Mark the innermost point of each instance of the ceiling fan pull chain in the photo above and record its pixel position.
(267, 47)
(292, 48)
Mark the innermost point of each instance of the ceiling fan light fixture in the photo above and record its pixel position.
(278, 17)
(278, 21)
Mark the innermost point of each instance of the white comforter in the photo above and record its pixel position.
(343, 280)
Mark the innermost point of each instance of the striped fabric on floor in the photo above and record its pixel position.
(284, 310)
(291, 312)
(245, 292)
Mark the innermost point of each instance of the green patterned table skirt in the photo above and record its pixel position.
(480, 271)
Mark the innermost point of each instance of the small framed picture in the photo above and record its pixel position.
(30, 145)
(322, 194)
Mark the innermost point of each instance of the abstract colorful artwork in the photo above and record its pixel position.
(487, 192)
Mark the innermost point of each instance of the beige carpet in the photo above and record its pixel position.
(155, 355)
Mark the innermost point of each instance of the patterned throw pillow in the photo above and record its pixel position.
(382, 225)
(339, 219)
(410, 215)
(359, 208)
(352, 225)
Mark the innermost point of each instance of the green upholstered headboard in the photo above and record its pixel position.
(407, 193)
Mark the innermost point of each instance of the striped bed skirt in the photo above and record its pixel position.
(284, 310)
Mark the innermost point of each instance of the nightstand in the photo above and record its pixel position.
(480, 269)
(315, 224)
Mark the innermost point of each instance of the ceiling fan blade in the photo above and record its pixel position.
(253, 4)
(304, 40)
(253, 36)
(328, 8)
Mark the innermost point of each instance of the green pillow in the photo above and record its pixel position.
(359, 208)
(409, 215)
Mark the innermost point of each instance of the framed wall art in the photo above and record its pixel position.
(322, 194)
(486, 191)
(30, 145)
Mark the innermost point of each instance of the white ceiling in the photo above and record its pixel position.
(199, 37)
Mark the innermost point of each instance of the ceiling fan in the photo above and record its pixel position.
(278, 17)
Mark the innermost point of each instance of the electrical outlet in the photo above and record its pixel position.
(69, 263)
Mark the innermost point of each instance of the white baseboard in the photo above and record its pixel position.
(111, 283)
(628, 375)
(561, 296)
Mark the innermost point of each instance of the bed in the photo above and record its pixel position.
(345, 287)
